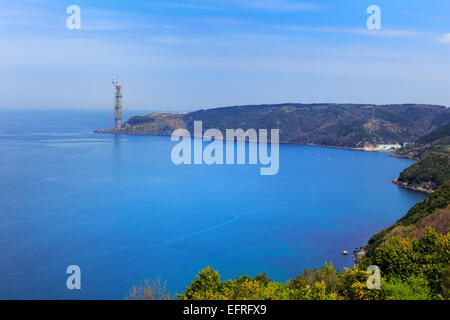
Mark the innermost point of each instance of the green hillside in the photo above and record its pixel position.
(428, 173)
(436, 141)
(437, 203)
(340, 125)
(433, 167)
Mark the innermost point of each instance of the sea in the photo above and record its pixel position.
(121, 210)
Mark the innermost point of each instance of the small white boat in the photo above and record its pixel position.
(344, 253)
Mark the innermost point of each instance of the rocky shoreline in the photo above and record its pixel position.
(424, 187)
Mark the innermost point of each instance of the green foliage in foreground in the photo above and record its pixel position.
(403, 260)
(411, 270)
(413, 288)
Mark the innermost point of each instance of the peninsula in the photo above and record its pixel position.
(355, 126)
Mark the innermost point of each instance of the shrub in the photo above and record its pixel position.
(151, 289)
(413, 288)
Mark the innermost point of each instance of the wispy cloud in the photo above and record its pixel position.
(18, 14)
(260, 5)
(277, 5)
(360, 31)
(445, 39)
(220, 20)
(172, 41)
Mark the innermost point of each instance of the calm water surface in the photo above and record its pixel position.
(117, 207)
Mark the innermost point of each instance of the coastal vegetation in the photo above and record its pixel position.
(433, 211)
(428, 173)
(432, 168)
(150, 289)
(412, 269)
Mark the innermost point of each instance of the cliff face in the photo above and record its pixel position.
(338, 125)
(160, 124)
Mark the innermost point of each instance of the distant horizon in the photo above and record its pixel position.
(146, 110)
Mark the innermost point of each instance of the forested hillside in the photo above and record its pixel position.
(433, 211)
(433, 167)
(339, 125)
(436, 141)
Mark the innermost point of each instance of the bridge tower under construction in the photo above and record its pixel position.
(117, 105)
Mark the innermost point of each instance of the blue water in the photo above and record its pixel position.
(117, 207)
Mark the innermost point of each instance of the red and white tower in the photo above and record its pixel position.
(117, 105)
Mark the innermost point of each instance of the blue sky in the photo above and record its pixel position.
(188, 54)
